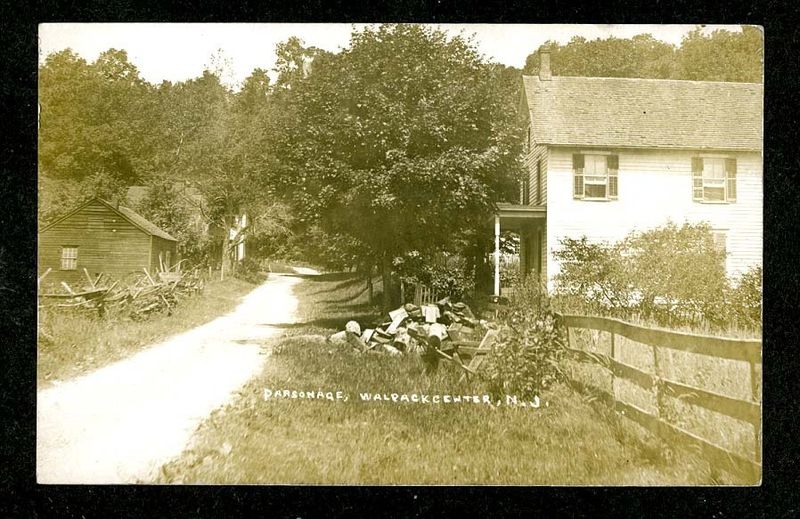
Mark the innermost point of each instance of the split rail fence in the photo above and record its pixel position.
(654, 376)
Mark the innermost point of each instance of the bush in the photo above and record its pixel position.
(678, 273)
(527, 355)
(250, 270)
(744, 299)
(594, 273)
(444, 273)
(674, 275)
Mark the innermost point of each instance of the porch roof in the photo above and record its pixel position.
(515, 216)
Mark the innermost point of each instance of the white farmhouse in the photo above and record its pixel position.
(606, 156)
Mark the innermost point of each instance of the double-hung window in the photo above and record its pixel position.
(69, 258)
(595, 176)
(713, 179)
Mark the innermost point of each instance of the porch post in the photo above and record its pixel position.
(497, 254)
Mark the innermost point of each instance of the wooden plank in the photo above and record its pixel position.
(675, 435)
(471, 350)
(89, 294)
(640, 378)
(64, 284)
(756, 397)
(46, 272)
(734, 349)
(715, 454)
(657, 390)
(88, 277)
(461, 365)
(148, 276)
(485, 346)
(733, 407)
(617, 368)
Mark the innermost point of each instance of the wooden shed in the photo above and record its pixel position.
(102, 237)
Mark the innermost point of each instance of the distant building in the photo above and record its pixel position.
(606, 156)
(101, 237)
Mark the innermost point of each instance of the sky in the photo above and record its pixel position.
(180, 51)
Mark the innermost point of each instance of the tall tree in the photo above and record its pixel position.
(719, 56)
(92, 123)
(91, 116)
(641, 56)
(723, 55)
(400, 141)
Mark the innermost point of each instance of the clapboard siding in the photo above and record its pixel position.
(106, 241)
(536, 154)
(656, 186)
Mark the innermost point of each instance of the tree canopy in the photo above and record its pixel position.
(719, 56)
(401, 141)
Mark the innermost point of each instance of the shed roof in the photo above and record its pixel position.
(143, 223)
(657, 113)
(130, 215)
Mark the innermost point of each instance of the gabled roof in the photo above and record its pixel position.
(645, 113)
(128, 214)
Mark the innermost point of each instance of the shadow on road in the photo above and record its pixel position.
(337, 323)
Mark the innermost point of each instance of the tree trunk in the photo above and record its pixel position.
(369, 284)
(223, 257)
(481, 271)
(386, 276)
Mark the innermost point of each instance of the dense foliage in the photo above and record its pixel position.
(446, 274)
(527, 356)
(674, 274)
(719, 56)
(400, 142)
(745, 299)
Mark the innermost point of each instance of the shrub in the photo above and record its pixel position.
(678, 272)
(593, 272)
(744, 299)
(444, 273)
(527, 355)
(250, 270)
(675, 275)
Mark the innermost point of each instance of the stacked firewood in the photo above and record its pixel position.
(146, 295)
(442, 330)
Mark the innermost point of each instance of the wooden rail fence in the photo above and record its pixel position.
(662, 388)
(420, 294)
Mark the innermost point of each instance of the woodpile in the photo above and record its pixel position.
(146, 295)
(441, 330)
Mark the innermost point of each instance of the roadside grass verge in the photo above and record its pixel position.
(567, 440)
(83, 342)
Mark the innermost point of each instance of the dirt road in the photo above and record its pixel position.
(120, 423)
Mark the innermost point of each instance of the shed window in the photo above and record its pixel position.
(713, 179)
(69, 258)
(595, 176)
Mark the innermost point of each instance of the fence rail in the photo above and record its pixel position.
(420, 294)
(747, 411)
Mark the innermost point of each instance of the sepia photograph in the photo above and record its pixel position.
(399, 254)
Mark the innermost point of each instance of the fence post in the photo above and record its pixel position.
(657, 382)
(613, 377)
(757, 426)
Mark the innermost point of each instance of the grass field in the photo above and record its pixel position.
(82, 342)
(567, 440)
